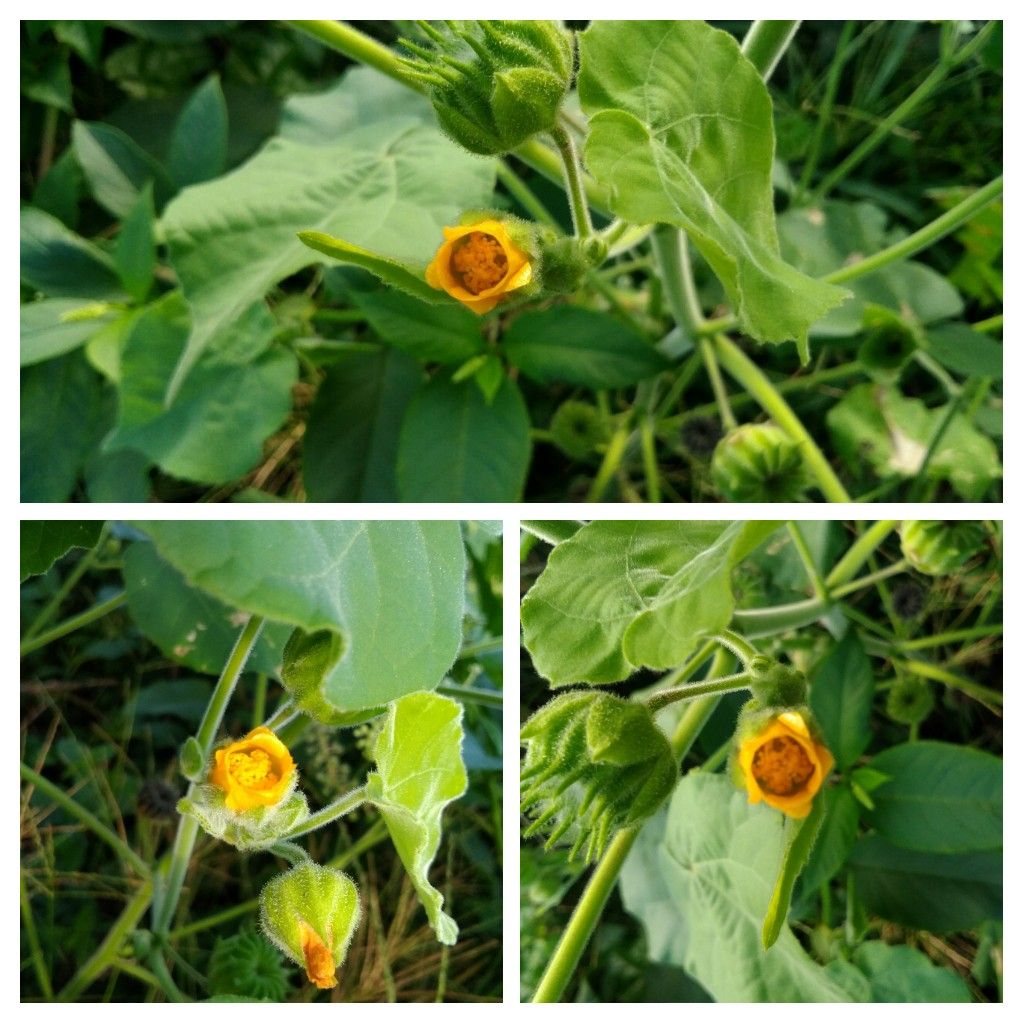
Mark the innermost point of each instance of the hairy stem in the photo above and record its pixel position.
(62, 629)
(573, 182)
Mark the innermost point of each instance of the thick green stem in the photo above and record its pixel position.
(166, 899)
(472, 695)
(648, 448)
(360, 47)
(761, 622)
(738, 646)
(345, 804)
(766, 42)
(870, 580)
(610, 463)
(87, 818)
(525, 196)
(90, 615)
(110, 949)
(881, 132)
(573, 182)
(588, 911)
(953, 636)
(800, 543)
(727, 684)
(859, 552)
(765, 394)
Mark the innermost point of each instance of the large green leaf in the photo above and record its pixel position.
(700, 879)
(419, 771)
(238, 394)
(457, 446)
(59, 263)
(940, 798)
(44, 541)
(940, 892)
(565, 344)
(351, 443)
(900, 974)
(842, 693)
(891, 433)
(617, 596)
(188, 624)
(963, 350)
(393, 591)
(681, 133)
(387, 186)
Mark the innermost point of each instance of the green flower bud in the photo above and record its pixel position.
(310, 914)
(494, 84)
(937, 547)
(910, 701)
(888, 344)
(191, 761)
(247, 965)
(577, 428)
(759, 462)
(254, 829)
(564, 260)
(777, 686)
(594, 763)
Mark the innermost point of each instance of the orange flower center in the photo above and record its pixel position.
(252, 769)
(781, 766)
(479, 262)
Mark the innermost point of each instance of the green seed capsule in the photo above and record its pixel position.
(759, 462)
(577, 428)
(937, 547)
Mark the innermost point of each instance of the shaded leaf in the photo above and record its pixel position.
(842, 692)
(59, 263)
(199, 143)
(44, 541)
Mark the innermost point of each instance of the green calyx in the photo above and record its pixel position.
(247, 965)
(910, 701)
(565, 261)
(759, 462)
(888, 344)
(493, 84)
(938, 547)
(594, 764)
(255, 829)
(577, 428)
(775, 685)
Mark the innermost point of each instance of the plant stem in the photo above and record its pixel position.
(491, 645)
(162, 973)
(727, 684)
(345, 804)
(166, 898)
(738, 646)
(360, 47)
(551, 531)
(110, 948)
(800, 543)
(472, 695)
(672, 255)
(573, 182)
(259, 700)
(953, 636)
(903, 111)
(588, 911)
(38, 959)
(859, 552)
(87, 818)
(75, 622)
(870, 580)
(764, 393)
(761, 622)
(650, 457)
(525, 196)
(993, 323)
(984, 694)
(283, 714)
(610, 463)
(766, 42)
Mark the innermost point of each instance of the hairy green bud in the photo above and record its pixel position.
(777, 686)
(938, 548)
(594, 763)
(493, 84)
(759, 462)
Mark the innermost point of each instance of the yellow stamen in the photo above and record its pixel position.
(479, 261)
(781, 766)
(252, 769)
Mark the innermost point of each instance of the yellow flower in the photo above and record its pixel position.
(784, 765)
(478, 264)
(254, 772)
(318, 957)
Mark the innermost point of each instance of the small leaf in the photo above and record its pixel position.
(59, 263)
(842, 692)
(199, 142)
(136, 247)
(966, 351)
(419, 772)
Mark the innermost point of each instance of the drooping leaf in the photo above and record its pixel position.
(386, 188)
(700, 878)
(940, 892)
(44, 541)
(51, 327)
(835, 840)
(188, 624)
(569, 345)
(351, 441)
(891, 433)
(419, 772)
(199, 143)
(617, 596)
(842, 692)
(59, 263)
(238, 395)
(939, 798)
(681, 133)
(454, 446)
(393, 590)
